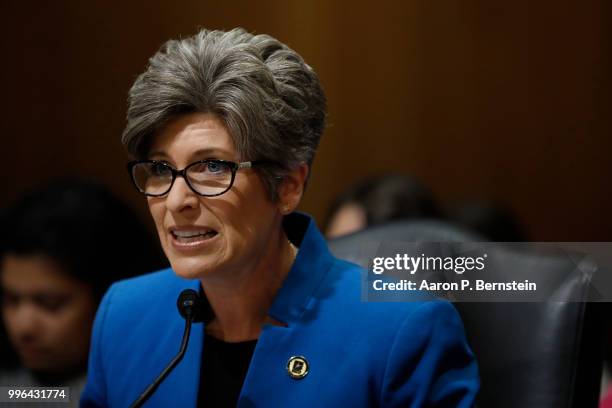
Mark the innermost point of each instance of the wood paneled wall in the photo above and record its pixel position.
(505, 100)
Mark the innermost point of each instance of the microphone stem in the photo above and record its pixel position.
(177, 359)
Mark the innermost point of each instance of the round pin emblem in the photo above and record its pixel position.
(297, 367)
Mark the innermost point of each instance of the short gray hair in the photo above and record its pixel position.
(270, 100)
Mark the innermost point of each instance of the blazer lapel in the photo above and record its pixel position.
(267, 378)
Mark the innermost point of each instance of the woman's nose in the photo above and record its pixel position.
(181, 197)
(24, 320)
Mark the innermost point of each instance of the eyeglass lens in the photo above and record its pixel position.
(206, 178)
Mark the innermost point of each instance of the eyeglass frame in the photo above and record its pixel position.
(234, 167)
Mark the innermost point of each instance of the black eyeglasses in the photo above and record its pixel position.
(207, 178)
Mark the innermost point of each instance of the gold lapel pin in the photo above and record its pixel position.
(297, 367)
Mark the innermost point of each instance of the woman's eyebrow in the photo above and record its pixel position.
(210, 151)
(159, 154)
(197, 154)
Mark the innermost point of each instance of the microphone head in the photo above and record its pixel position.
(189, 305)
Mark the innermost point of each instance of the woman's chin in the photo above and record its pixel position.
(190, 268)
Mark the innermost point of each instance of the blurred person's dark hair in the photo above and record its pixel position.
(491, 221)
(78, 223)
(385, 198)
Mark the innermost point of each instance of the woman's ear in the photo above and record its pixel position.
(291, 189)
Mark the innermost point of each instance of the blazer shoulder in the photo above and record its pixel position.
(133, 312)
(154, 293)
(349, 280)
(344, 286)
(155, 284)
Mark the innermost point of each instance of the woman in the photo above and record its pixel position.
(224, 127)
(59, 252)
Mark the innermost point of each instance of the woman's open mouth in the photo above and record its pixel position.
(186, 239)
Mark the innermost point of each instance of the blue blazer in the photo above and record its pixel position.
(359, 354)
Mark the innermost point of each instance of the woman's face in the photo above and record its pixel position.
(209, 236)
(48, 314)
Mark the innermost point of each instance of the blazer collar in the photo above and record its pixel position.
(307, 272)
(311, 264)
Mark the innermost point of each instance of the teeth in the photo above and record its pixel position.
(191, 234)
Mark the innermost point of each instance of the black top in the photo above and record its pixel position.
(224, 367)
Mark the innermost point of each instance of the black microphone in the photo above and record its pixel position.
(189, 306)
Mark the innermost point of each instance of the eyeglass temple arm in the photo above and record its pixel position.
(251, 164)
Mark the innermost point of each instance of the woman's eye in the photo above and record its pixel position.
(9, 300)
(158, 169)
(51, 306)
(215, 167)
(51, 303)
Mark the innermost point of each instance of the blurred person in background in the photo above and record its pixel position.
(380, 199)
(493, 222)
(61, 247)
